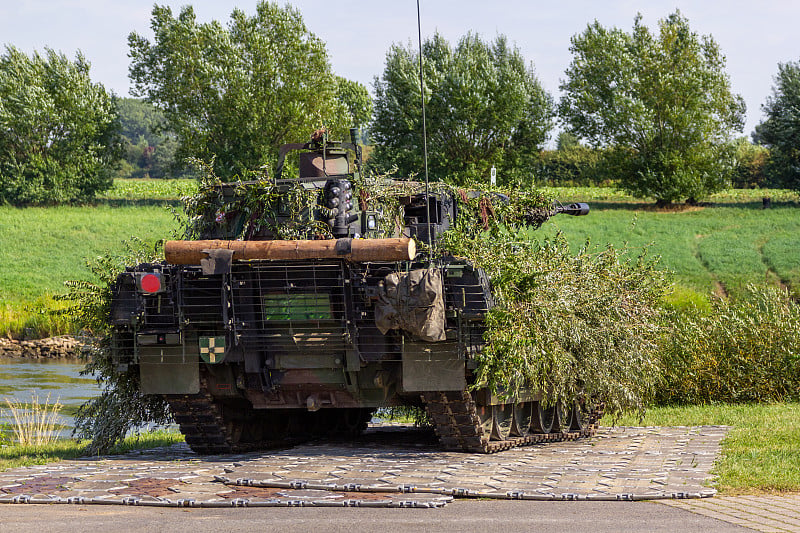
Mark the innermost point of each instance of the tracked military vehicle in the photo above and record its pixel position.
(256, 340)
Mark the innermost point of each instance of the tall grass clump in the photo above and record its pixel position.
(40, 318)
(745, 349)
(35, 423)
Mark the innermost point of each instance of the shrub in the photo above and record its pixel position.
(683, 299)
(748, 171)
(745, 350)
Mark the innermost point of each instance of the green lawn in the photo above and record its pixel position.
(760, 454)
(41, 247)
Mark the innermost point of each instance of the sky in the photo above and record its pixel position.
(754, 36)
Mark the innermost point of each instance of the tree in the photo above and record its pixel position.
(570, 166)
(148, 147)
(484, 106)
(780, 132)
(661, 103)
(58, 130)
(237, 93)
(751, 160)
(356, 99)
(566, 140)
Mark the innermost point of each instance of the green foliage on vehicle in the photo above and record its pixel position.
(484, 107)
(246, 205)
(661, 103)
(780, 132)
(237, 92)
(583, 324)
(58, 130)
(120, 407)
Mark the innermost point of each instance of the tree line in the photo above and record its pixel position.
(652, 112)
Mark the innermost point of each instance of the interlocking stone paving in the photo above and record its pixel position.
(650, 462)
(778, 514)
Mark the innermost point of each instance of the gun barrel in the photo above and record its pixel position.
(577, 209)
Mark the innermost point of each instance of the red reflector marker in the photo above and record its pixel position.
(151, 283)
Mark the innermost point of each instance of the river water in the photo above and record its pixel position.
(20, 378)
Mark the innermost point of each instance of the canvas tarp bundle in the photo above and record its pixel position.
(412, 301)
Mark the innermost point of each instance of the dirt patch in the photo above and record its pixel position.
(719, 289)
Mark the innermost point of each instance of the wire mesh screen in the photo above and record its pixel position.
(290, 307)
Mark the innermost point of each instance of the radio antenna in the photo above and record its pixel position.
(431, 238)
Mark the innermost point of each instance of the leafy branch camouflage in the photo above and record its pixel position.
(252, 207)
(569, 325)
(120, 407)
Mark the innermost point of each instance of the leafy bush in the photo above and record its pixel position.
(745, 350)
(148, 147)
(684, 299)
(748, 172)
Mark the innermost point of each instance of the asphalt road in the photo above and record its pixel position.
(457, 517)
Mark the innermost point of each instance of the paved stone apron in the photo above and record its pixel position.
(769, 514)
(387, 467)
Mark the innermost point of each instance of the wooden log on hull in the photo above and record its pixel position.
(395, 249)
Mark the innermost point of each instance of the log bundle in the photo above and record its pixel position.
(359, 250)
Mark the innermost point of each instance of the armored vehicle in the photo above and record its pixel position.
(304, 306)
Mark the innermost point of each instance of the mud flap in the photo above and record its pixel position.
(169, 369)
(432, 367)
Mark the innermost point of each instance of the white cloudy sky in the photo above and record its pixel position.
(755, 36)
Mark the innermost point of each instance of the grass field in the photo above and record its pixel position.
(711, 249)
(41, 248)
(761, 452)
(716, 249)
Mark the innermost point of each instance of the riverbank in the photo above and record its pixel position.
(61, 347)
